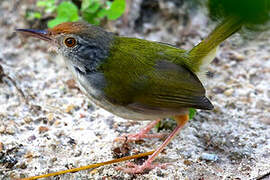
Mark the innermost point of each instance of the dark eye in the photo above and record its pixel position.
(70, 42)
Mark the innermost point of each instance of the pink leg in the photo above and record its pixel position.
(148, 165)
(142, 134)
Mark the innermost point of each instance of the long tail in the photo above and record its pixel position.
(236, 13)
(203, 53)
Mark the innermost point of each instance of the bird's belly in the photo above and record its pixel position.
(96, 95)
(124, 112)
(93, 86)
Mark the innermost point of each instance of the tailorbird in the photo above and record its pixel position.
(139, 79)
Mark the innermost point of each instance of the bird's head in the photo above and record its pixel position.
(79, 42)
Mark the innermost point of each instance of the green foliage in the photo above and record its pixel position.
(252, 11)
(170, 123)
(192, 113)
(92, 11)
(30, 15)
(49, 5)
(116, 10)
(66, 12)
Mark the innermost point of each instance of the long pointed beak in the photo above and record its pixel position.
(41, 34)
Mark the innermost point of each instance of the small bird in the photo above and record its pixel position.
(138, 79)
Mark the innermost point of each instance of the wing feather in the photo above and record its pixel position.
(154, 79)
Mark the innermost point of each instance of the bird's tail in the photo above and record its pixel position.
(203, 53)
(233, 14)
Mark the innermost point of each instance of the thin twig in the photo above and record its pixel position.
(90, 166)
(13, 82)
(18, 89)
(262, 177)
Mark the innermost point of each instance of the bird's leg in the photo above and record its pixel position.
(148, 165)
(142, 134)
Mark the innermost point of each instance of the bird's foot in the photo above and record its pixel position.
(139, 136)
(140, 169)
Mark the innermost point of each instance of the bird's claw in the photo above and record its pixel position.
(138, 137)
(140, 169)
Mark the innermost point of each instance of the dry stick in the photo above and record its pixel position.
(91, 166)
(263, 177)
(18, 89)
(3, 75)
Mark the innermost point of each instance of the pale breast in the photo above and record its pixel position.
(93, 85)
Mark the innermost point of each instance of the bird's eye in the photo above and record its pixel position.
(70, 42)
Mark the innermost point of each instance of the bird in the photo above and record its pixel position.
(139, 79)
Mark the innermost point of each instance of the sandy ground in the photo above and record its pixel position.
(61, 129)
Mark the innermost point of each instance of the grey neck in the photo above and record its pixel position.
(90, 53)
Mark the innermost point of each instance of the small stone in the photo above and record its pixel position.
(50, 117)
(217, 90)
(71, 83)
(236, 56)
(29, 156)
(10, 130)
(265, 120)
(187, 162)
(210, 74)
(82, 115)
(43, 129)
(93, 171)
(1, 146)
(160, 173)
(229, 92)
(69, 108)
(27, 120)
(36, 107)
(2, 128)
(31, 138)
(262, 104)
(41, 119)
(54, 159)
(209, 157)
(23, 166)
(268, 93)
(72, 141)
(57, 123)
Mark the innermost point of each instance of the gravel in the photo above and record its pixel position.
(59, 128)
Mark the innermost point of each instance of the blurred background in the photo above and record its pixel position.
(47, 124)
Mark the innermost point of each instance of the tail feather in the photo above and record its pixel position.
(235, 14)
(204, 53)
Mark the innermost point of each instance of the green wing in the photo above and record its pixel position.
(151, 75)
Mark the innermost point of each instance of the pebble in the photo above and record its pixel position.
(69, 108)
(209, 157)
(23, 165)
(57, 123)
(187, 162)
(10, 130)
(1, 146)
(262, 104)
(2, 128)
(236, 56)
(43, 129)
(29, 155)
(50, 116)
(71, 83)
(27, 120)
(93, 171)
(265, 120)
(229, 92)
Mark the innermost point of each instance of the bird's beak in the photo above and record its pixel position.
(41, 34)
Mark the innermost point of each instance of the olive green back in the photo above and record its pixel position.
(151, 74)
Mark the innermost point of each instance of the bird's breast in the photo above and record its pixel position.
(93, 85)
